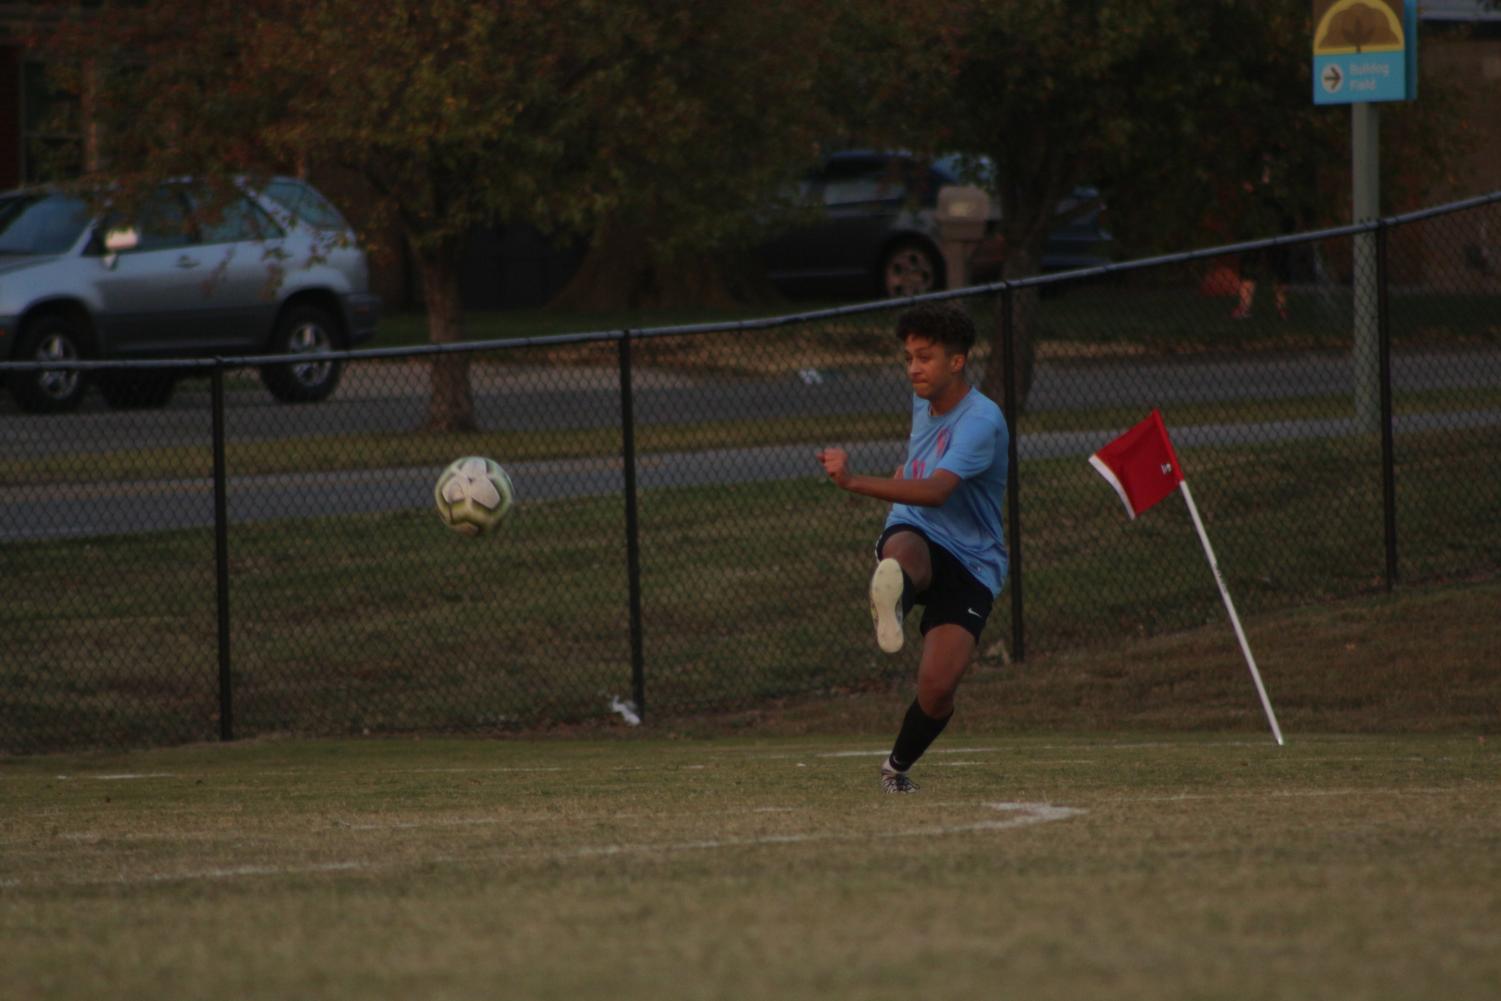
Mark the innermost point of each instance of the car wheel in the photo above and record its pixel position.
(303, 330)
(51, 391)
(137, 390)
(911, 268)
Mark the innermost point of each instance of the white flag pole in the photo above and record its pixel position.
(1240, 633)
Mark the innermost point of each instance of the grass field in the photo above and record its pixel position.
(1047, 866)
(388, 623)
(1175, 316)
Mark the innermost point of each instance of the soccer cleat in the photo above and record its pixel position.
(895, 781)
(886, 604)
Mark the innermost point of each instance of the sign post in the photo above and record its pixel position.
(1365, 51)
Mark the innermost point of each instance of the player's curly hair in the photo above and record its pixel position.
(940, 322)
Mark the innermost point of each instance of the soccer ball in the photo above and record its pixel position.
(473, 495)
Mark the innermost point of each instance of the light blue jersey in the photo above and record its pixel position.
(972, 442)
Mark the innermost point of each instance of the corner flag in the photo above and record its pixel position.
(1143, 468)
(1141, 465)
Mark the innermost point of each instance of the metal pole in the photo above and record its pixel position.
(221, 557)
(1240, 633)
(1365, 149)
(1388, 446)
(632, 525)
(1013, 486)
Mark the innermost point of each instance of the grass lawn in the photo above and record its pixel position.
(1108, 818)
(409, 327)
(1173, 318)
(390, 623)
(1123, 865)
(1178, 319)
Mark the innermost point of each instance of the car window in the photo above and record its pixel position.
(163, 222)
(968, 168)
(233, 222)
(849, 191)
(305, 204)
(41, 223)
(889, 179)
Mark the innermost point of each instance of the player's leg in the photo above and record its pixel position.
(946, 654)
(904, 571)
(1245, 296)
(957, 609)
(1281, 278)
(910, 550)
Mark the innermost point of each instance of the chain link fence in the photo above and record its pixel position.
(226, 565)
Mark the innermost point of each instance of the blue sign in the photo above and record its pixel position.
(1365, 50)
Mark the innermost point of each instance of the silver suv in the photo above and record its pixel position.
(272, 270)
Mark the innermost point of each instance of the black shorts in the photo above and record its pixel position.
(954, 596)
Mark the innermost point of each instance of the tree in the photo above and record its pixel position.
(1167, 105)
(456, 113)
(715, 123)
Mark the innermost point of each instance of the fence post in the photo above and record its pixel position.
(1013, 486)
(632, 523)
(1388, 446)
(1364, 283)
(221, 554)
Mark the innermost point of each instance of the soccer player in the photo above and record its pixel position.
(943, 546)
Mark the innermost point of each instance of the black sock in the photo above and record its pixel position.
(909, 594)
(918, 731)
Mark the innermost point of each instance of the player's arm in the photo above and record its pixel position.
(931, 491)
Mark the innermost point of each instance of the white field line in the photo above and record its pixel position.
(749, 753)
(1019, 749)
(517, 769)
(227, 872)
(408, 825)
(883, 753)
(1015, 815)
(230, 872)
(1287, 794)
(1021, 815)
(302, 772)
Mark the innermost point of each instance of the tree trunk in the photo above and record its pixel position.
(1021, 327)
(451, 405)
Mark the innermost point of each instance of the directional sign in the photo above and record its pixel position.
(1364, 50)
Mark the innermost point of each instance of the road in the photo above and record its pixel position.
(390, 398)
(386, 399)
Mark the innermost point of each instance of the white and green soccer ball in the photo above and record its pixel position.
(473, 495)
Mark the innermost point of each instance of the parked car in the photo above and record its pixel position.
(876, 230)
(272, 270)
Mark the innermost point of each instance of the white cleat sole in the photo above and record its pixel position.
(886, 605)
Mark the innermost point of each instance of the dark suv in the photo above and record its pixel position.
(876, 230)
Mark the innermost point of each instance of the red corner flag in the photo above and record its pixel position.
(1140, 465)
(1143, 469)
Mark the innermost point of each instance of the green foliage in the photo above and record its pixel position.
(461, 114)
(425, 100)
(1168, 105)
(665, 131)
